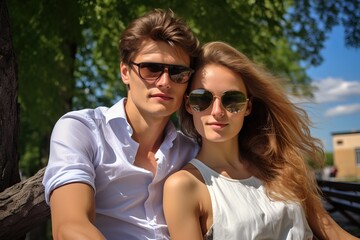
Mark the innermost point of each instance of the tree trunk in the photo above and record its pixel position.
(9, 108)
(23, 207)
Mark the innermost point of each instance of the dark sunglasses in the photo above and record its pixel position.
(201, 99)
(150, 72)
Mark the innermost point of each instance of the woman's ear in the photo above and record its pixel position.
(125, 72)
(248, 107)
(187, 105)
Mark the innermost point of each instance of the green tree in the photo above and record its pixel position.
(329, 159)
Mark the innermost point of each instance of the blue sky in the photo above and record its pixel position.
(336, 106)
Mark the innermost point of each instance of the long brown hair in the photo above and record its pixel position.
(275, 140)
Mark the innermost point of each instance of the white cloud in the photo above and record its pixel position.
(341, 110)
(335, 89)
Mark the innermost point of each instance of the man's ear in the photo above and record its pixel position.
(248, 108)
(125, 72)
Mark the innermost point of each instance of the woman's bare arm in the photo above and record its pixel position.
(325, 228)
(181, 207)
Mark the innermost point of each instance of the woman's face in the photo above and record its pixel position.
(218, 122)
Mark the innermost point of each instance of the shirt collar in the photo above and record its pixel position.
(170, 135)
(116, 111)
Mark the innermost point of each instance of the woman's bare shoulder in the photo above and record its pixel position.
(188, 178)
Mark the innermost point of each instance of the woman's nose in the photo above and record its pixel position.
(217, 108)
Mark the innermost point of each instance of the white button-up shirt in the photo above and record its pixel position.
(94, 146)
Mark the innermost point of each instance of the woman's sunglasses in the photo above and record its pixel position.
(150, 71)
(201, 99)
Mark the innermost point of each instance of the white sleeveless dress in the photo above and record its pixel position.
(241, 210)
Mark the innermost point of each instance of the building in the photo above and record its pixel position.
(347, 154)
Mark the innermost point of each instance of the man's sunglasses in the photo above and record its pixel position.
(150, 71)
(201, 99)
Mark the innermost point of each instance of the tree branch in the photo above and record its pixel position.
(23, 207)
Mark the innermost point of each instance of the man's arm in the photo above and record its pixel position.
(73, 212)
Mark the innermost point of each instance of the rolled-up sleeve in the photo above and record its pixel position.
(72, 153)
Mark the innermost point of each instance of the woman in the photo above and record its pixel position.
(250, 180)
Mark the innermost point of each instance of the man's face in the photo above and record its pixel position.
(159, 98)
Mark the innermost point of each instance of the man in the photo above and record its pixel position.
(107, 166)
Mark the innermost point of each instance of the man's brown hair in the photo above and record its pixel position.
(158, 25)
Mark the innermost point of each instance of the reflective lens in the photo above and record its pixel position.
(150, 71)
(233, 101)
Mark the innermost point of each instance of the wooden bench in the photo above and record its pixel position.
(343, 197)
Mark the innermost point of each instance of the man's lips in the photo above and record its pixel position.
(161, 95)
